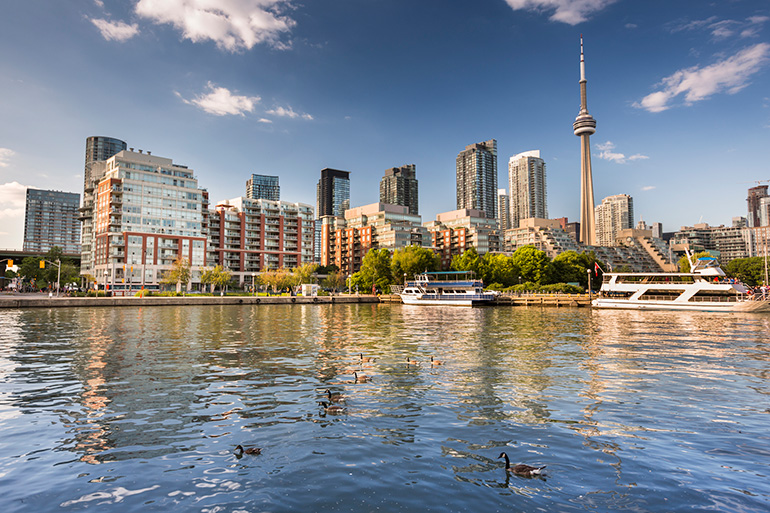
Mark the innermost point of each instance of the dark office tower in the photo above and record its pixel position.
(263, 187)
(399, 187)
(333, 193)
(51, 219)
(477, 178)
(755, 200)
(98, 149)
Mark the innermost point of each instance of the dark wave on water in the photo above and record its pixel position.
(140, 409)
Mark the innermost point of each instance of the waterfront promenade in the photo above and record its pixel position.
(43, 301)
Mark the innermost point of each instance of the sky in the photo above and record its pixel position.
(680, 92)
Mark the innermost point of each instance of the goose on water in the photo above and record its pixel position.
(521, 469)
(331, 408)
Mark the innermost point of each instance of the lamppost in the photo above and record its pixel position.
(254, 283)
(589, 285)
(349, 276)
(106, 273)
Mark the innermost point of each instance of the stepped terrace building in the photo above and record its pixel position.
(147, 212)
(345, 241)
(247, 236)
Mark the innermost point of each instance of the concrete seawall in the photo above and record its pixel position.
(65, 302)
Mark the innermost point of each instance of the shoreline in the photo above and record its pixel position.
(72, 302)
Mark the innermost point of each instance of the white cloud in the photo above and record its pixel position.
(115, 30)
(571, 12)
(606, 153)
(729, 75)
(221, 102)
(648, 188)
(289, 113)
(13, 200)
(265, 120)
(232, 24)
(5, 156)
(722, 29)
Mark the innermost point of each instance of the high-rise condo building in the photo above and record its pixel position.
(503, 209)
(332, 199)
(756, 194)
(263, 187)
(454, 232)
(477, 178)
(399, 187)
(614, 214)
(51, 219)
(147, 212)
(98, 149)
(583, 127)
(526, 177)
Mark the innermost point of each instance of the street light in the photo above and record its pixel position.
(589, 285)
(106, 272)
(254, 283)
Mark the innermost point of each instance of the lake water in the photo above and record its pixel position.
(140, 409)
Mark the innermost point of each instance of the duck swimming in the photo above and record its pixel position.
(521, 469)
(333, 408)
(240, 451)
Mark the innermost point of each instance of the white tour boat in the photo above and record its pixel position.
(452, 288)
(704, 289)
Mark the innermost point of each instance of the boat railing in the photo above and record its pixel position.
(463, 296)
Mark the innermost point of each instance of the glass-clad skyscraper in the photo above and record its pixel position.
(263, 187)
(477, 178)
(51, 219)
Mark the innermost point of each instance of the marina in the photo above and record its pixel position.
(128, 409)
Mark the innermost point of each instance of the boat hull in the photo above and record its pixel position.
(411, 300)
(704, 306)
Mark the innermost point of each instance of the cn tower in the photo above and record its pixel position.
(584, 126)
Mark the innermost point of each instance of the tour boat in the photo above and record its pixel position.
(452, 288)
(704, 289)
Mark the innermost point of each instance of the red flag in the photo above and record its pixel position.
(596, 269)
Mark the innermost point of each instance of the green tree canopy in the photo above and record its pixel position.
(468, 261)
(335, 280)
(750, 271)
(499, 268)
(305, 272)
(570, 267)
(412, 260)
(533, 264)
(179, 274)
(217, 277)
(375, 270)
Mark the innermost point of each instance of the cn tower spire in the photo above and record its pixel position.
(584, 126)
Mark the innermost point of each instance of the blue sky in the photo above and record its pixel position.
(680, 91)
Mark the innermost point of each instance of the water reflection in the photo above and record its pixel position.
(164, 394)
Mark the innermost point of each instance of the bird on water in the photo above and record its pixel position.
(334, 397)
(435, 362)
(240, 451)
(331, 408)
(521, 469)
(365, 359)
(360, 378)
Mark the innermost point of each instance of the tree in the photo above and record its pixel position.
(277, 279)
(412, 260)
(501, 269)
(750, 271)
(570, 267)
(179, 274)
(534, 264)
(305, 272)
(216, 277)
(375, 271)
(335, 280)
(468, 261)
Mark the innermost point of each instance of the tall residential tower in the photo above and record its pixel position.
(584, 126)
(263, 187)
(399, 187)
(477, 178)
(526, 177)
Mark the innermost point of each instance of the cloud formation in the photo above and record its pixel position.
(220, 101)
(13, 200)
(115, 30)
(288, 112)
(5, 156)
(729, 75)
(571, 12)
(606, 153)
(232, 24)
(722, 29)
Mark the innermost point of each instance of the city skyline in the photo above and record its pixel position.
(680, 91)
